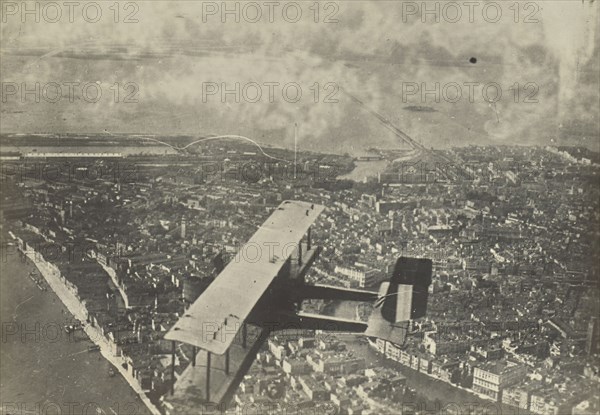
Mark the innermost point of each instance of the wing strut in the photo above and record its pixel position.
(208, 355)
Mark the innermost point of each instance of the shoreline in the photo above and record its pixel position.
(78, 311)
(484, 400)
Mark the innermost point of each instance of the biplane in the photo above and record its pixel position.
(256, 295)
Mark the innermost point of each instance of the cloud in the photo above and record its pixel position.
(373, 50)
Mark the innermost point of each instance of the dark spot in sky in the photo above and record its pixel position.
(473, 60)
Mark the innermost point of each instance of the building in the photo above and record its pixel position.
(405, 358)
(277, 350)
(425, 364)
(391, 351)
(440, 344)
(547, 402)
(444, 369)
(364, 277)
(341, 365)
(293, 366)
(520, 395)
(587, 407)
(315, 390)
(490, 379)
(383, 206)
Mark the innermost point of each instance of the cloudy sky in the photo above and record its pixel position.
(491, 73)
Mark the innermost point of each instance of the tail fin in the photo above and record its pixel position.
(400, 300)
(410, 281)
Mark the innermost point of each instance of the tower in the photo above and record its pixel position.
(295, 147)
(592, 338)
(183, 228)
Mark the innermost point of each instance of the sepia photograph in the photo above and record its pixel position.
(300, 207)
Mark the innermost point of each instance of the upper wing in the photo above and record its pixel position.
(213, 321)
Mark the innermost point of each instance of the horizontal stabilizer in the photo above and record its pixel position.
(401, 299)
(382, 329)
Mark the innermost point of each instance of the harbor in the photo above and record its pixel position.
(52, 369)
